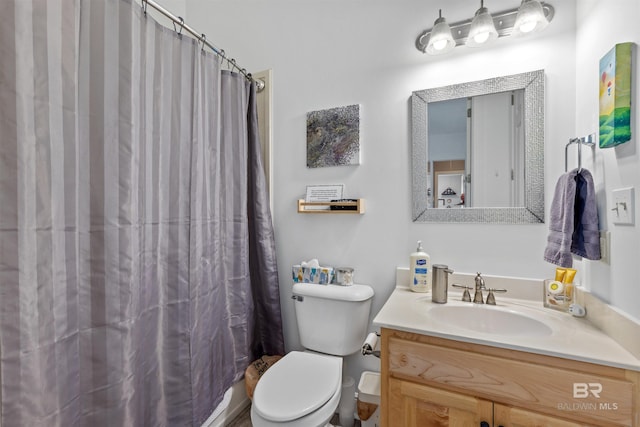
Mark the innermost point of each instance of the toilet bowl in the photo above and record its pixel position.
(302, 389)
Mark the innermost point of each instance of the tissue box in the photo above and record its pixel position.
(319, 275)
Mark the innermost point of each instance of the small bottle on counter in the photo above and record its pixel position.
(420, 269)
(559, 294)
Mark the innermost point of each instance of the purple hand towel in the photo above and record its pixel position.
(586, 234)
(561, 220)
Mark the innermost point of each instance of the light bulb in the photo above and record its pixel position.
(527, 27)
(440, 44)
(481, 37)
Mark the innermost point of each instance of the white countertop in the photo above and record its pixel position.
(570, 338)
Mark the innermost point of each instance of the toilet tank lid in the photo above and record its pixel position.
(335, 292)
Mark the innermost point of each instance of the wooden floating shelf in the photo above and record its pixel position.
(356, 207)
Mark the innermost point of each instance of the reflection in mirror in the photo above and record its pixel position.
(478, 151)
(482, 137)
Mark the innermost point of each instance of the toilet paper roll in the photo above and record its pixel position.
(370, 343)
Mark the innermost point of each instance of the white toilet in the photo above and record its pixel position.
(303, 388)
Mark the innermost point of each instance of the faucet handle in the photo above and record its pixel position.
(491, 299)
(466, 296)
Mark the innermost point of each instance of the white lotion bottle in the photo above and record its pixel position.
(420, 269)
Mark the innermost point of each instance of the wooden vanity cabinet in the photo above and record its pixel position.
(412, 404)
(428, 381)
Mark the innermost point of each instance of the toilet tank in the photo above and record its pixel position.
(332, 319)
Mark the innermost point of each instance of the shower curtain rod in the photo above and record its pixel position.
(200, 37)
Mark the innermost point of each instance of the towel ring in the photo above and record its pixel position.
(589, 141)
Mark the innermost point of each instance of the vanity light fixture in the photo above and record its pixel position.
(441, 40)
(530, 17)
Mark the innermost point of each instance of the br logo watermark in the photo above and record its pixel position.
(586, 391)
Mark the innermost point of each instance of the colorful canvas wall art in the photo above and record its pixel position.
(333, 137)
(615, 96)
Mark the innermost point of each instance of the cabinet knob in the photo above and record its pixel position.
(484, 424)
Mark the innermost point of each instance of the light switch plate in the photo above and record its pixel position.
(623, 209)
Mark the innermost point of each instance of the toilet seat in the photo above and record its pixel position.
(297, 385)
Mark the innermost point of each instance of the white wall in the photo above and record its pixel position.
(329, 53)
(602, 24)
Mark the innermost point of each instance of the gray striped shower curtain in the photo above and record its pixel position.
(137, 264)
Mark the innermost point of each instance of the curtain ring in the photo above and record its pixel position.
(203, 39)
(144, 7)
(181, 25)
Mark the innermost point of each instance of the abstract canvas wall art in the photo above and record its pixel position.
(333, 137)
(615, 96)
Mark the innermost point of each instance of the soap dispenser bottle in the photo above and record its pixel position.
(420, 269)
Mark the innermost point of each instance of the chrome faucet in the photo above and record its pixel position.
(477, 297)
(480, 286)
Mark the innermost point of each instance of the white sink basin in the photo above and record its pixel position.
(488, 319)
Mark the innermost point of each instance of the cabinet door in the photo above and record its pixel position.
(416, 405)
(515, 417)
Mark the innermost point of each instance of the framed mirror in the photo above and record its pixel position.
(492, 157)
